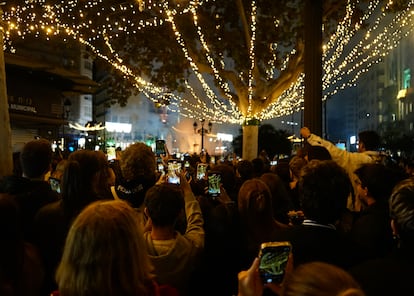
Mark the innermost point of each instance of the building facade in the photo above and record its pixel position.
(46, 83)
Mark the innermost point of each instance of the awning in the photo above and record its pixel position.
(34, 120)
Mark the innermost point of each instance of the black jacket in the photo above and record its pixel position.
(30, 196)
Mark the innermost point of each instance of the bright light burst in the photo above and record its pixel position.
(349, 52)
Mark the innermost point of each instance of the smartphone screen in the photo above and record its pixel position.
(173, 172)
(201, 171)
(110, 153)
(214, 180)
(274, 257)
(54, 184)
(159, 147)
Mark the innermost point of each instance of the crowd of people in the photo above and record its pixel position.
(83, 225)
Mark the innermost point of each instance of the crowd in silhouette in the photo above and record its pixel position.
(82, 225)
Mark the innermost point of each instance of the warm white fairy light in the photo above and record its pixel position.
(378, 41)
(223, 84)
(343, 64)
(252, 60)
(219, 107)
(289, 101)
(270, 72)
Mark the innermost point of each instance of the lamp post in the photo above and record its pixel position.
(202, 131)
(66, 110)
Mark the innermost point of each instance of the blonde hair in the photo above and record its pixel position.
(105, 253)
(320, 279)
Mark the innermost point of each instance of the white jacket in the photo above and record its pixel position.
(350, 161)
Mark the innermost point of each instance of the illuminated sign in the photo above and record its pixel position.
(118, 127)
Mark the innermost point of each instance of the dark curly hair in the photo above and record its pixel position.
(324, 187)
(138, 161)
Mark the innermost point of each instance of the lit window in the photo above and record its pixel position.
(407, 78)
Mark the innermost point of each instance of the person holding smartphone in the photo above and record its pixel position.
(311, 279)
(173, 254)
(220, 224)
(159, 147)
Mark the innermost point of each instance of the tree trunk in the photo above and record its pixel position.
(6, 157)
(250, 141)
(313, 66)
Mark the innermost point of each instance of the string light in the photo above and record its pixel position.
(252, 60)
(349, 52)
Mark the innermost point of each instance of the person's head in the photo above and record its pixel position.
(401, 204)
(164, 204)
(320, 279)
(317, 152)
(105, 253)
(85, 179)
(255, 202)
(138, 169)
(374, 183)
(138, 161)
(259, 166)
(324, 187)
(295, 166)
(368, 141)
(281, 201)
(282, 169)
(36, 158)
(245, 169)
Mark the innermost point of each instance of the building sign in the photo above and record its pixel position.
(21, 104)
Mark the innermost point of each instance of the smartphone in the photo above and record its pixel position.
(273, 162)
(201, 171)
(54, 184)
(159, 147)
(214, 181)
(186, 164)
(274, 258)
(110, 153)
(173, 172)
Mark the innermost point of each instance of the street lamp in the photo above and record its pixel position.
(66, 110)
(202, 131)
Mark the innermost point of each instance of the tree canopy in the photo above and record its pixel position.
(226, 61)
